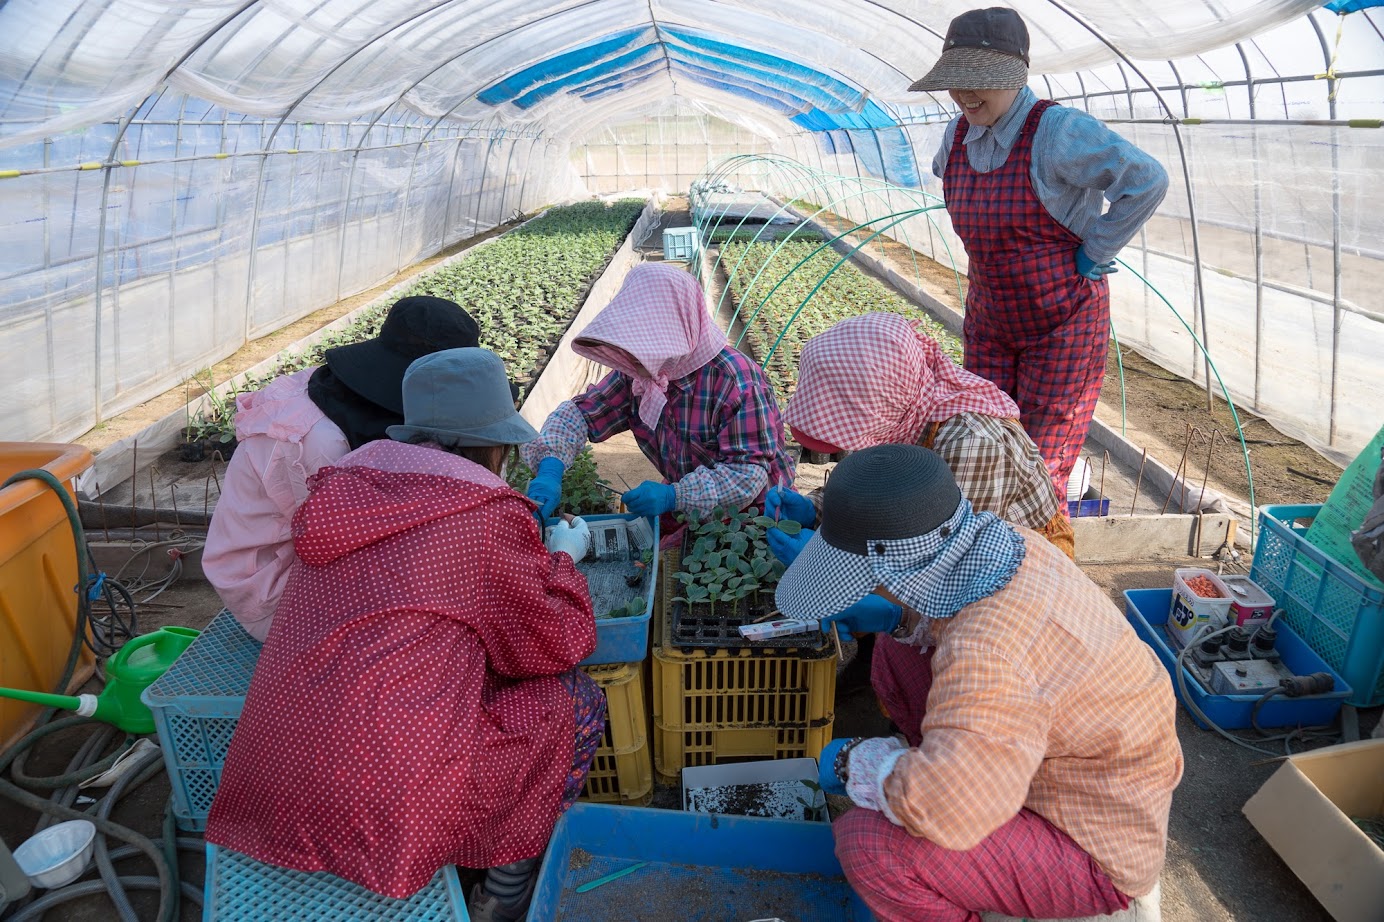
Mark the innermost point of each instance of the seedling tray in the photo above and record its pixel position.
(700, 869)
(778, 788)
(718, 627)
(1148, 609)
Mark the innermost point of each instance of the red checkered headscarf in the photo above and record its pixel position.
(657, 329)
(877, 379)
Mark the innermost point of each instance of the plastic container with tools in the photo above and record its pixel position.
(1147, 611)
(623, 639)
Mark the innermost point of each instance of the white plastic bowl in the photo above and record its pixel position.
(58, 855)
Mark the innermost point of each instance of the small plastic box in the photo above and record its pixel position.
(1192, 613)
(1250, 605)
(680, 243)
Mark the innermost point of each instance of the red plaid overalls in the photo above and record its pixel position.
(1033, 326)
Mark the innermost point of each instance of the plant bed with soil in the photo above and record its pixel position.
(844, 293)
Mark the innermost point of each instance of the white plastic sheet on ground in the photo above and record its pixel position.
(177, 179)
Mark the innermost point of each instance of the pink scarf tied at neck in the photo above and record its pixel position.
(656, 330)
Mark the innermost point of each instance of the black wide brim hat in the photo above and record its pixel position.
(415, 327)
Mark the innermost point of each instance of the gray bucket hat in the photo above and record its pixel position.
(984, 50)
(878, 503)
(460, 397)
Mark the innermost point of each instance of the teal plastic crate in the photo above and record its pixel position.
(680, 243)
(196, 705)
(241, 889)
(1329, 606)
(701, 868)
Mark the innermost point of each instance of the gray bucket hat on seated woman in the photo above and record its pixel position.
(984, 50)
(460, 397)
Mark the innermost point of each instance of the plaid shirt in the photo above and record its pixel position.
(719, 440)
(995, 464)
(1043, 697)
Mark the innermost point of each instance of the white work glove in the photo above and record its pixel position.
(573, 537)
(867, 765)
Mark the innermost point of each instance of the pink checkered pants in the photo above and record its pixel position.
(1028, 867)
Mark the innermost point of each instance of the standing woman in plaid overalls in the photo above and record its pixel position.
(1024, 181)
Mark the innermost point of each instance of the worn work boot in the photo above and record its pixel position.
(505, 893)
(1144, 909)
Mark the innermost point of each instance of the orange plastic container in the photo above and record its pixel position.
(38, 577)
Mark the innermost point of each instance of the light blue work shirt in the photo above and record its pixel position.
(1077, 161)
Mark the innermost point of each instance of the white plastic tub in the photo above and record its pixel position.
(58, 855)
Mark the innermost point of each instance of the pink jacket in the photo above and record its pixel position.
(283, 440)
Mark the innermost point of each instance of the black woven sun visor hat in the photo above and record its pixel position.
(878, 503)
(415, 327)
(984, 50)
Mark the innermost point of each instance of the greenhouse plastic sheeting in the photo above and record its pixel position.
(176, 180)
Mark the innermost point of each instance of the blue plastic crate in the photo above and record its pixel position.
(196, 705)
(625, 640)
(1077, 508)
(1338, 615)
(701, 868)
(680, 243)
(1147, 610)
(241, 889)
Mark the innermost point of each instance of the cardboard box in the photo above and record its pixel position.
(1304, 811)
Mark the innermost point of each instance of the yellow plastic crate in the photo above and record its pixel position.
(740, 689)
(675, 750)
(712, 706)
(622, 770)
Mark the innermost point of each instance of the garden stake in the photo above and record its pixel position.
(602, 881)
(836, 636)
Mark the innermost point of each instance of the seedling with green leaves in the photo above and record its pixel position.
(728, 565)
(582, 492)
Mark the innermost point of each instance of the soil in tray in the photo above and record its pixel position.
(605, 580)
(778, 799)
(660, 891)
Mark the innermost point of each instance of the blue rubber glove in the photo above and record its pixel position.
(546, 486)
(787, 547)
(650, 498)
(831, 782)
(780, 502)
(871, 615)
(1089, 268)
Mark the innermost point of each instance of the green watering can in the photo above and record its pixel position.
(138, 664)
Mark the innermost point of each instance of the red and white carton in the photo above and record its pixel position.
(1250, 605)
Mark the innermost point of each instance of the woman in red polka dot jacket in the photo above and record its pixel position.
(416, 703)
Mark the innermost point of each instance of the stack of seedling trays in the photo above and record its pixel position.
(718, 697)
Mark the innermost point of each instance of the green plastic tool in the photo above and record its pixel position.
(134, 668)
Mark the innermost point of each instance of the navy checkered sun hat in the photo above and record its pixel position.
(877, 502)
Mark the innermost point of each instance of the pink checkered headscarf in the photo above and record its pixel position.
(877, 379)
(657, 329)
